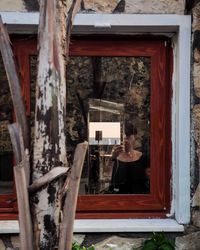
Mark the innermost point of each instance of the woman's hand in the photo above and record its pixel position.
(117, 149)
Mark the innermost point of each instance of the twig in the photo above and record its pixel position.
(47, 178)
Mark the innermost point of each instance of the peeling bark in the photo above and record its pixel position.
(49, 143)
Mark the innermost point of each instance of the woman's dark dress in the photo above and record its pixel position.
(130, 177)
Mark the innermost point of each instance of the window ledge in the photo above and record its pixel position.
(109, 225)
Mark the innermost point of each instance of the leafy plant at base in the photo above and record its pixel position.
(76, 246)
(158, 242)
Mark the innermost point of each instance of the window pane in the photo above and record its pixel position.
(6, 154)
(108, 104)
(107, 94)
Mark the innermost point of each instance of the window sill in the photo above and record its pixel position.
(109, 225)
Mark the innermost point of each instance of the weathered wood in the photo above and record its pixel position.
(14, 83)
(21, 173)
(18, 148)
(25, 223)
(49, 143)
(47, 178)
(71, 198)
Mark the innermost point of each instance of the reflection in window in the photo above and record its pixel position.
(105, 91)
(97, 87)
(6, 156)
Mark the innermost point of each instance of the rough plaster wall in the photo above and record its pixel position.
(196, 114)
(12, 5)
(155, 6)
(105, 6)
(136, 6)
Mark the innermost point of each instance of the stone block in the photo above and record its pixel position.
(15, 240)
(155, 6)
(196, 218)
(196, 55)
(197, 86)
(196, 122)
(101, 5)
(79, 238)
(196, 197)
(188, 242)
(2, 246)
(196, 17)
(119, 243)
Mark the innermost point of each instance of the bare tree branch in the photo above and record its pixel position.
(47, 178)
(25, 223)
(71, 198)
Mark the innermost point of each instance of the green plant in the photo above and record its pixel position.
(158, 242)
(76, 246)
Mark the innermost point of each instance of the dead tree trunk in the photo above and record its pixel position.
(49, 144)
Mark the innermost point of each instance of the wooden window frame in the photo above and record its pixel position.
(157, 203)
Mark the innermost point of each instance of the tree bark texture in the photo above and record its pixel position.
(49, 143)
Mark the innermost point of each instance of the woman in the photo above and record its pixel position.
(130, 168)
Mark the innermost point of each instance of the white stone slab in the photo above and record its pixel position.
(9, 226)
(110, 225)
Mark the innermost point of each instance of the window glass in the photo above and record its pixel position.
(6, 117)
(108, 104)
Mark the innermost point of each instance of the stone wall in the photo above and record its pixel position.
(127, 6)
(195, 105)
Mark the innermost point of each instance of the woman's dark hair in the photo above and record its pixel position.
(130, 129)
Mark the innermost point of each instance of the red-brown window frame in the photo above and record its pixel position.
(157, 203)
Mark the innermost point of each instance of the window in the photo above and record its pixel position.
(130, 57)
(118, 58)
